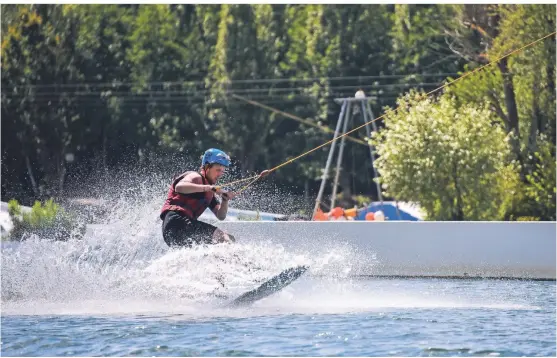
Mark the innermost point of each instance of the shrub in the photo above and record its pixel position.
(48, 221)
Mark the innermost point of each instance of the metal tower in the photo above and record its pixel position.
(349, 106)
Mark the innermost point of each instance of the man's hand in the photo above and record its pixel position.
(214, 188)
(264, 173)
(227, 195)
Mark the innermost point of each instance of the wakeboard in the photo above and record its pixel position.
(269, 287)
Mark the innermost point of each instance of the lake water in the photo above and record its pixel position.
(121, 291)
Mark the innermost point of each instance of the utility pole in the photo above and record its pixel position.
(349, 106)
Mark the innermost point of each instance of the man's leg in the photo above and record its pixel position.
(221, 236)
(209, 234)
(181, 231)
(176, 231)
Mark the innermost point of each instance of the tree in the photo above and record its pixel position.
(38, 57)
(247, 49)
(102, 43)
(514, 86)
(540, 190)
(534, 68)
(116, 86)
(418, 42)
(521, 91)
(447, 158)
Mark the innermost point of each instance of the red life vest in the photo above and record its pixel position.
(191, 205)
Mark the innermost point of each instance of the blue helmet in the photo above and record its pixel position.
(215, 156)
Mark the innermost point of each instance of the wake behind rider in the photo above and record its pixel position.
(188, 197)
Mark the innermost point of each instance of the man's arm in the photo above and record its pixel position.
(192, 183)
(221, 210)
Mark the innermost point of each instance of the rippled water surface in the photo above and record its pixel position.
(312, 317)
(121, 291)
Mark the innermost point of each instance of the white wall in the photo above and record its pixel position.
(487, 249)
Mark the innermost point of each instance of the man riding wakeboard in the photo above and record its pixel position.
(189, 195)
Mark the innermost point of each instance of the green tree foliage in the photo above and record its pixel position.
(245, 50)
(48, 221)
(38, 58)
(449, 159)
(419, 44)
(88, 89)
(521, 91)
(520, 88)
(102, 44)
(540, 190)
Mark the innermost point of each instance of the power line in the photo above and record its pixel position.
(194, 98)
(197, 100)
(396, 109)
(164, 93)
(249, 81)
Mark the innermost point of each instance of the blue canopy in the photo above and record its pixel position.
(389, 208)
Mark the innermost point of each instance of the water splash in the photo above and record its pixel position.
(124, 259)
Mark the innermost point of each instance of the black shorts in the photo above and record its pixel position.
(178, 230)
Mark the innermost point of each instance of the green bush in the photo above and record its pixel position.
(527, 218)
(541, 189)
(449, 159)
(47, 221)
(242, 217)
